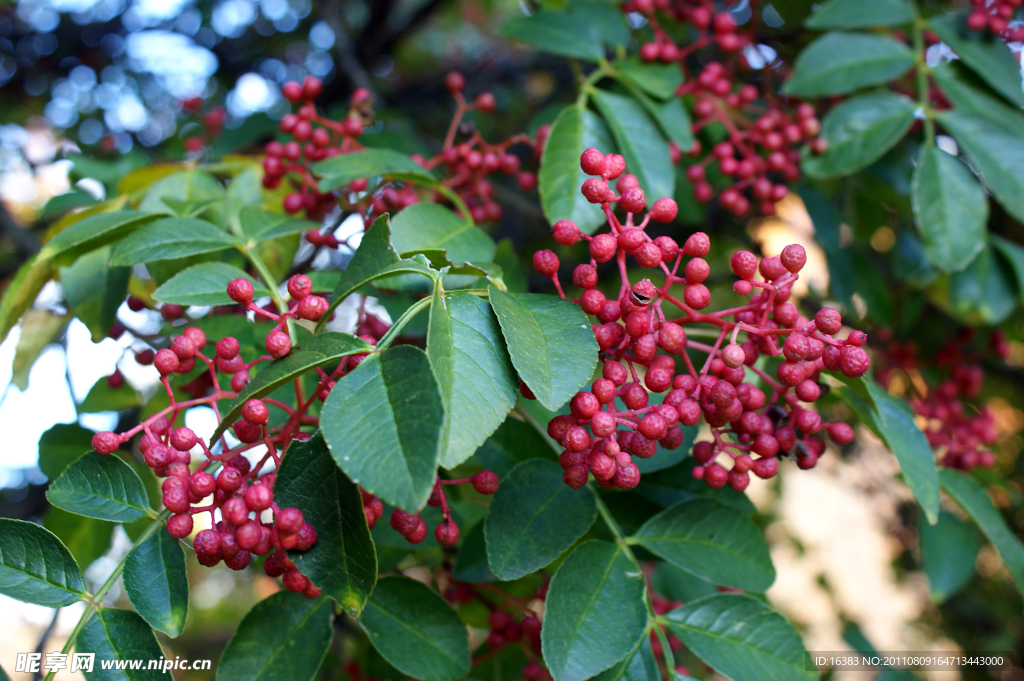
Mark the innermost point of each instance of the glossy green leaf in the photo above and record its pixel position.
(369, 163)
(860, 14)
(383, 423)
(640, 141)
(550, 341)
(156, 582)
(534, 518)
(641, 665)
(983, 292)
(949, 550)
(62, 444)
(283, 638)
(859, 131)
(99, 486)
(190, 185)
(968, 95)
(971, 497)
(604, 20)
(511, 444)
(712, 541)
(594, 614)
(311, 353)
(560, 176)
(261, 225)
(471, 562)
(891, 420)
(656, 79)
(343, 562)
(112, 635)
(86, 538)
(984, 54)
(426, 226)
(35, 567)
(416, 630)
(103, 397)
(374, 258)
(95, 231)
(671, 117)
(473, 369)
(1014, 256)
(672, 485)
(170, 239)
(838, 63)
(740, 637)
(39, 328)
(555, 33)
(94, 290)
(950, 209)
(205, 284)
(997, 154)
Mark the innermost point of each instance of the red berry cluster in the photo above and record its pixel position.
(994, 16)
(633, 330)
(958, 428)
(762, 150)
(413, 527)
(510, 623)
(466, 165)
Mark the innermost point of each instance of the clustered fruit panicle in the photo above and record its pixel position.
(237, 493)
(635, 331)
(760, 154)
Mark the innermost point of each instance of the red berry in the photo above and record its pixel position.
(240, 290)
(592, 161)
(485, 482)
(179, 525)
(278, 344)
(664, 210)
(299, 286)
(255, 412)
(566, 232)
(744, 264)
(447, 532)
(105, 442)
(454, 82)
(828, 320)
(292, 92)
(166, 362)
(545, 262)
(793, 257)
(633, 200)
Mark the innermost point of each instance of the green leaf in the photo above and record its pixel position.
(474, 372)
(997, 154)
(471, 562)
(949, 550)
(672, 485)
(839, 63)
(416, 630)
(375, 258)
(39, 328)
(892, 421)
(22, 290)
(555, 33)
(86, 538)
(860, 14)
(534, 518)
(113, 634)
(551, 343)
(99, 486)
(156, 582)
(383, 423)
(369, 163)
(511, 444)
(594, 614)
(1014, 256)
(205, 284)
(604, 20)
(93, 232)
(343, 562)
(859, 131)
(967, 95)
(561, 177)
(639, 666)
(102, 397)
(428, 226)
(984, 291)
(261, 225)
(35, 567)
(971, 497)
(315, 351)
(171, 238)
(986, 55)
(670, 116)
(740, 637)
(712, 541)
(94, 290)
(950, 209)
(656, 79)
(62, 444)
(640, 142)
(505, 256)
(283, 638)
(189, 185)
